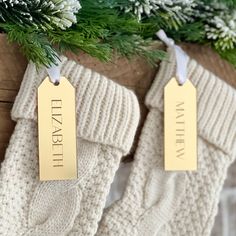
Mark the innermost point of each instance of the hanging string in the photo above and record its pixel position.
(54, 72)
(180, 55)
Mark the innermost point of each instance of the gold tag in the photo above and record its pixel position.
(57, 130)
(180, 126)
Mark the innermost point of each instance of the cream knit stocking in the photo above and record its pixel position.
(156, 202)
(107, 117)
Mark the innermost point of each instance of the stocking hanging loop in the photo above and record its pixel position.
(54, 72)
(180, 55)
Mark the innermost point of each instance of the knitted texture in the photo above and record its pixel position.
(156, 202)
(107, 117)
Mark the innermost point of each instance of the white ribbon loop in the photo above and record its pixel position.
(180, 55)
(54, 72)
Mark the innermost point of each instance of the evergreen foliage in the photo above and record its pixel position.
(45, 28)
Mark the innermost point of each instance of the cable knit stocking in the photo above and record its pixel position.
(107, 117)
(161, 203)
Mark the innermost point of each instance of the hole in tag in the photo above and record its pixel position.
(56, 83)
(178, 81)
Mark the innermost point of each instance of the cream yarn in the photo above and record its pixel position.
(107, 117)
(161, 203)
(155, 202)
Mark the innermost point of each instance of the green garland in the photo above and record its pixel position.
(45, 28)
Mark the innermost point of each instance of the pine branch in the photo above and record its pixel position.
(102, 27)
(229, 3)
(108, 30)
(180, 11)
(45, 14)
(128, 47)
(34, 45)
(109, 19)
(73, 40)
(229, 55)
(191, 32)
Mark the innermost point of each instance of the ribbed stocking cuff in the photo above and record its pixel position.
(106, 112)
(216, 102)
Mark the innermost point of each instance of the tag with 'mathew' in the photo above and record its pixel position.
(180, 126)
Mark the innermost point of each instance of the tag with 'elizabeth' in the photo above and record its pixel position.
(57, 130)
(180, 126)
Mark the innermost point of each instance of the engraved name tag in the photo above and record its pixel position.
(180, 126)
(57, 130)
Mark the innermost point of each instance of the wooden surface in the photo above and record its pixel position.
(136, 75)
